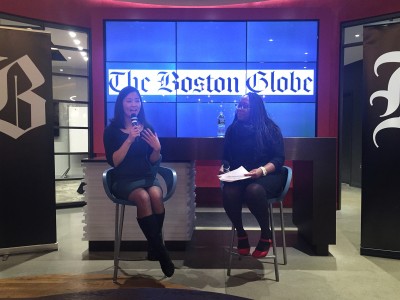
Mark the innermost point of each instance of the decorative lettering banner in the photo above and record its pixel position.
(380, 215)
(27, 202)
(213, 82)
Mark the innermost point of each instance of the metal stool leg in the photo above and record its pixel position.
(275, 256)
(283, 234)
(119, 222)
(231, 251)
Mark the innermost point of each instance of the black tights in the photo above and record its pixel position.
(254, 196)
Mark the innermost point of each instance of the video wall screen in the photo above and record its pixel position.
(190, 72)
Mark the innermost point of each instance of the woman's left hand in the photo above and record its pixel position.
(255, 173)
(151, 139)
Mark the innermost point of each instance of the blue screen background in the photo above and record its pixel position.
(209, 45)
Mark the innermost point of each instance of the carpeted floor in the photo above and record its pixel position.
(99, 286)
(44, 285)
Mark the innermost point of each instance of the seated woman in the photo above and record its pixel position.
(133, 149)
(255, 142)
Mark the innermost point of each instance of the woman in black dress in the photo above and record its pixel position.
(133, 149)
(255, 142)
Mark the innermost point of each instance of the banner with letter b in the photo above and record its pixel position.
(380, 195)
(27, 189)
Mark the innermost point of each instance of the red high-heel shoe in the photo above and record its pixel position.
(262, 248)
(243, 247)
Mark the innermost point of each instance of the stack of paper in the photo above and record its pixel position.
(235, 175)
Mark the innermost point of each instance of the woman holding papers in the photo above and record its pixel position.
(133, 149)
(255, 142)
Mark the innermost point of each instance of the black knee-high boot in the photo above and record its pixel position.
(150, 228)
(151, 253)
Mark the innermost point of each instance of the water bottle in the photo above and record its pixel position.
(221, 125)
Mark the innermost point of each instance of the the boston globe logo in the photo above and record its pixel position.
(213, 82)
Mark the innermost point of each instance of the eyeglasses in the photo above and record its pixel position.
(243, 106)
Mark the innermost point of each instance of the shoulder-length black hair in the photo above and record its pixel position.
(267, 131)
(119, 118)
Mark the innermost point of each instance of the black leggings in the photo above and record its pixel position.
(254, 194)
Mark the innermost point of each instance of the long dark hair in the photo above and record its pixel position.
(265, 128)
(119, 118)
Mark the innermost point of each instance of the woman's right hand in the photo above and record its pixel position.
(134, 132)
(221, 170)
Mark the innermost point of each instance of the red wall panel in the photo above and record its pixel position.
(91, 13)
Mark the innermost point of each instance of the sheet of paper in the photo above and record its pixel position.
(234, 175)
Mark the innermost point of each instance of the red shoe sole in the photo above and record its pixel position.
(244, 251)
(259, 254)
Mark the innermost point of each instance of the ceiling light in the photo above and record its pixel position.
(77, 42)
(72, 34)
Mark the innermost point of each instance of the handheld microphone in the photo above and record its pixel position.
(134, 120)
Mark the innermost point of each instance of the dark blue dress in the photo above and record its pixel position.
(135, 170)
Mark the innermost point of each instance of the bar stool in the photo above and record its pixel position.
(169, 177)
(274, 255)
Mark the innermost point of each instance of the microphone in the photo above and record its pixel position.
(134, 120)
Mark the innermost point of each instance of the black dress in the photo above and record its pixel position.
(135, 170)
(240, 149)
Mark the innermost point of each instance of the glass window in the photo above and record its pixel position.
(68, 38)
(71, 62)
(70, 88)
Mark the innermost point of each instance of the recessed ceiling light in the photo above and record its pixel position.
(72, 34)
(77, 42)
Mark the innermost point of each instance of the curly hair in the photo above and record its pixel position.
(266, 129)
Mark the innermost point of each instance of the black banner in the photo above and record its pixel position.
(380, 212)
(27, 189)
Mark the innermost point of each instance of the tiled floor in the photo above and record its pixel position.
(345, 274)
